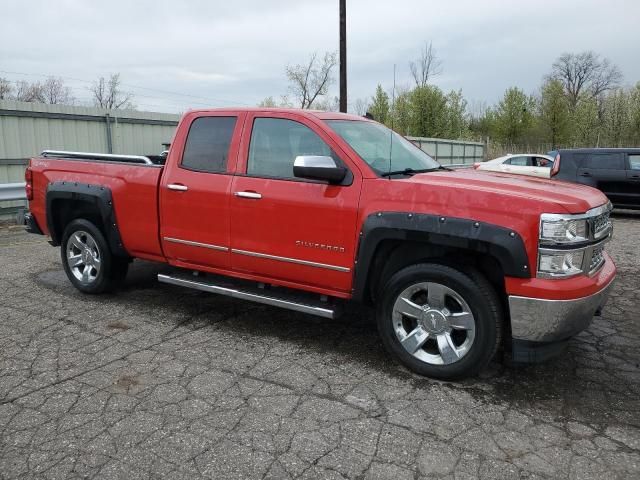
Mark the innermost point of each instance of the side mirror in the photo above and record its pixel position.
(318, 168)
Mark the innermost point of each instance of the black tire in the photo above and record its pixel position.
(479, 296)
(110, 270)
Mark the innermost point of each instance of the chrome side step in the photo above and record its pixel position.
(289, 302)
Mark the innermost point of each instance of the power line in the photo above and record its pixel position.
(164, 92)
(79, 95)
(80, 99)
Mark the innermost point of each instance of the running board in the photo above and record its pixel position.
(277, 299)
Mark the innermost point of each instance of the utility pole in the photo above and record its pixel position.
(343, 56)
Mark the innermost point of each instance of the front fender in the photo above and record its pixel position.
(504, 244)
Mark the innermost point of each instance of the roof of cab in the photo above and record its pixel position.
(297, 111)
(598, 150)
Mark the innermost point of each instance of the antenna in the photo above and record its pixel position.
(393, 105)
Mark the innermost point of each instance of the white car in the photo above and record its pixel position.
(532, 164)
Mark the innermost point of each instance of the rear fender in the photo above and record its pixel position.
(67, 199)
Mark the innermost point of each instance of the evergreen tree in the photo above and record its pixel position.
(514, 116)
(379, 107)
(585, 123)
(554, 117)
(400, 115)
(633, 133)
(428, 112)
(615, 121)
(457, 124)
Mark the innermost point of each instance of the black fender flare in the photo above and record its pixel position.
(502, 243)
(98, 196)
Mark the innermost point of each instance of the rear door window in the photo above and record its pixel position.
(602, 161)
(519, 161)
(207, 145)
(542, 162)
(634, 162)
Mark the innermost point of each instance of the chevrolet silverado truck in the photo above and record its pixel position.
(308, 210)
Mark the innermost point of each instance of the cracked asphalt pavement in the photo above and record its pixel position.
(157, 381)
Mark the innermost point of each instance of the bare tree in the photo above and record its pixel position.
(54, 91)
(607, 77)
(268, 102)
(108, 94)
(426, 66)
(328, 104)
(361, 106)
(585, 73)
(5, 88)
(311, 80)
(29, 92)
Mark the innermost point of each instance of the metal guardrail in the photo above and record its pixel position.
(457, 166)
(446, 152)
(12, 191)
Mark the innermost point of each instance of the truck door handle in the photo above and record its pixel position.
(253, 195)
(585, 174)
(178, 187)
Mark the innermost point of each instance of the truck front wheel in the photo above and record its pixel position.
(440, 321)
(87, 260)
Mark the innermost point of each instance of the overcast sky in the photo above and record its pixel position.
(200, 53)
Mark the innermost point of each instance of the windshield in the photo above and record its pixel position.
(373, 142)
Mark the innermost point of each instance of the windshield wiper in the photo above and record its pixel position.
(411, 171)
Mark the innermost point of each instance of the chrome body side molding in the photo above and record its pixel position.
(248, 253)
(291, 260)
(196, 244)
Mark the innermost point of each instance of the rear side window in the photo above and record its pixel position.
(207, 146)
(519, 161)
(601, 161)
(634, 162)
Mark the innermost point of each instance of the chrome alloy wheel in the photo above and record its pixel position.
(83, 256)
(433, 323)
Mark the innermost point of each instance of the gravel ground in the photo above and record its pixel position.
(157, 381)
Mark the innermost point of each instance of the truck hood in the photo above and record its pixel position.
(570, 197)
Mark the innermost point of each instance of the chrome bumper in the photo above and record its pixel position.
(540, 320)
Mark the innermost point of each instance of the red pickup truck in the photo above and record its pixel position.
(306, 210)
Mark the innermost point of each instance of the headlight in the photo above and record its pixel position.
(572, 244)
(560, 263)
(563, 230)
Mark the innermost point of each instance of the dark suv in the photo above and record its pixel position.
(615, 171)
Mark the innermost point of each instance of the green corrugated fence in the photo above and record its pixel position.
(28, 128)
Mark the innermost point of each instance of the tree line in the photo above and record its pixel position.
(580, 102)
(105, 92)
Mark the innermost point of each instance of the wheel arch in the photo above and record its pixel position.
(392, 241)
(66, 201)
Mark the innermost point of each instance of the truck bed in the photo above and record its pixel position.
(133, 185)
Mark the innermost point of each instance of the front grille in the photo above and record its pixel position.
(600, 224)
(597, 258)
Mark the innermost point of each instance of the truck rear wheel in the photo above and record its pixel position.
(440, 321)
(87, 260)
